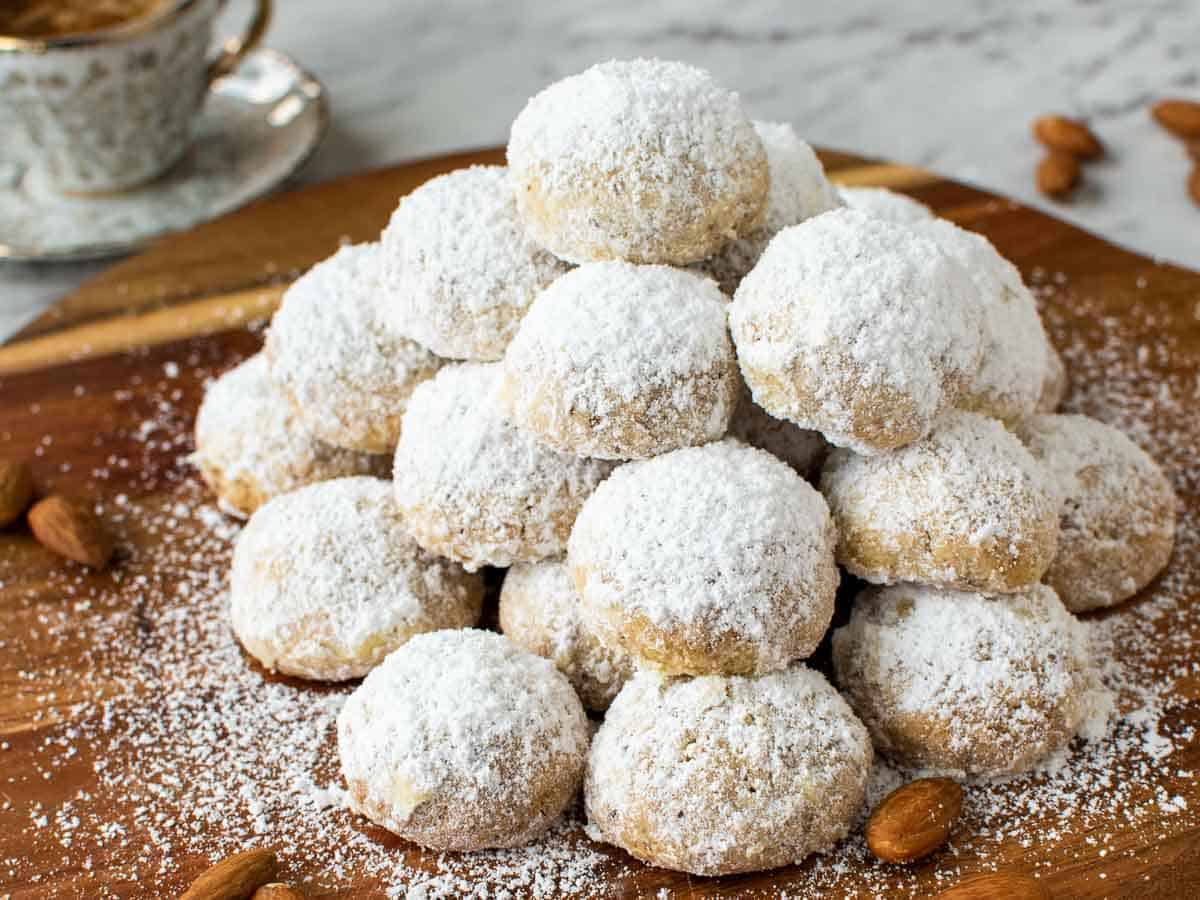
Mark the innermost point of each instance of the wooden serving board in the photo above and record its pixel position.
(96, 789)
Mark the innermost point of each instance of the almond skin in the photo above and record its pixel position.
(1057, 174)
(914, 820)
(996, 886)
(72, 530)
(236, 877)
(16, 490)
(1067, 136)
(1194, 184)
(1180, 117)
(278, 891)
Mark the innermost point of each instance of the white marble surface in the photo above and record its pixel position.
(951, 87)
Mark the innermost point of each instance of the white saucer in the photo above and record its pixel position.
(258, 126)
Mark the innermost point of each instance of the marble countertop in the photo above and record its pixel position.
(900, 79)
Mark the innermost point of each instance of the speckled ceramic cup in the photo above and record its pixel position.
(111, 109)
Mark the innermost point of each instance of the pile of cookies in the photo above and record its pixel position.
(676, 384)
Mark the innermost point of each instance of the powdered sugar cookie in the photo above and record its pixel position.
(476, 489)
(539, 610)
(458, 268)
(978, 683)
(799, 190)
(717, 775)
(1117, 526)
(346, 376)
(619, 361)
(460, 741)
(800, 448)
(251, 447)
(326, 582)
(1009, 380)
(857, 328)
(967, 507)
(892, 206)
(1055, 382)
(714, 559)
(640, 159)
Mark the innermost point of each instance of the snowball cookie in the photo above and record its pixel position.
(1009, 380)
(539, 610)
(250, 446)
(967, 507)
(346, 376)
(640, 159)
(799, 190)
(620, 361)
(857, 328)
(474, 488)
(800, 448)
(460, 740)
(987, 684)
(706, 560)
(1055, 383)
(458, 268)
(719, 775)
(1117, 523)
(892, 206)
(326, 582)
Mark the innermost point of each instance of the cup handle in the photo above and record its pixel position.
(234, 50)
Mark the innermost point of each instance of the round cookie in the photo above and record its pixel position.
(892, 206)
(717, 775)
(251, 447)
(539, 610)
(706, 560)
(1117, 525)
(326, 582)
(460, 741)
(967, 507)
(620, 361)
(476, 489)
(799, 190)
(857, 328)
(1008, 383)
(346, 376)
(1055, 382)
(640, 159)
(800, 448)
(976, 683)
(459, 270)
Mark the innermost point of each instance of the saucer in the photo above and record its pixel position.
(258, 126)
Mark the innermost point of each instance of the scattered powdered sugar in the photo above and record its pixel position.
(458, 269)
(986, 684)
(847, 305)
(326, 582)
(346, 376)
(802, 449)
(617, 360)
(472, 486)
(882, 203)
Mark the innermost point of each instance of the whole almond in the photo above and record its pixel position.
(72, 530)
(236, 877)
(1194, 184)
(16, 490)
(278, 891)
(1193, 148)
(914, 820)
(996, 886)
(1180, 117)
(1057, 174)
(1067, 136)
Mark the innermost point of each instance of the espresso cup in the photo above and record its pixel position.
(112, 109)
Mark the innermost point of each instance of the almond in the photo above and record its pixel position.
(236, 877)
(1193, 149)
(1057, 174)
(1194, 184)
(278, 891)
(914, 820)
(1067, 136)
(16, 490)
(71, 530)
(1180, 117)
(996, 886)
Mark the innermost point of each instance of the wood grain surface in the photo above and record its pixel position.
(79, 384)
